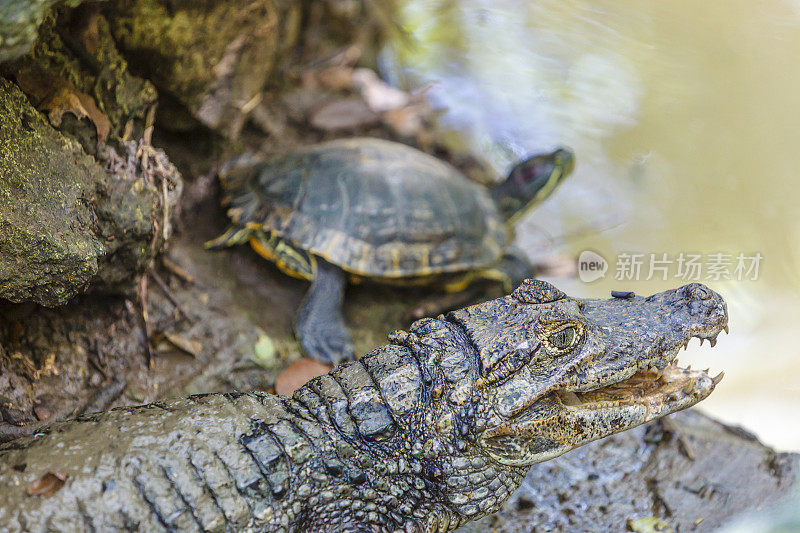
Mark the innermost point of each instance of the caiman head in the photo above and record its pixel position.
(550, 373)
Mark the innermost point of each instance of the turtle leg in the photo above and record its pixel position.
(320, 325)
(233, 235)
(511, 269)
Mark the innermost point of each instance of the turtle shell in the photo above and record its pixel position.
(375, 208)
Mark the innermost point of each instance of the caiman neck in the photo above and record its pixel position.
(403, 444)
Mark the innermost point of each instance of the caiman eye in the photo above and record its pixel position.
(564, 337)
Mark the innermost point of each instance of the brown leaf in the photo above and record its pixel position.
(336, 78)
(48, 484)
(344, 114)
(42, 410)
(298, 373)
(379, 95)
(56, 96)
(191, 346)
(407, 121)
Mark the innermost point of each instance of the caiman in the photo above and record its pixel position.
(426, 433)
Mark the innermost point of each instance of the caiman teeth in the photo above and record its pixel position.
(654, 368)
(569, 398)
(718, 378)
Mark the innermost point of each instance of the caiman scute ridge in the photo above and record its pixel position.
(426, 433)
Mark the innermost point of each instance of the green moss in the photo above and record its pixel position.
(213, 57)
(48, 251)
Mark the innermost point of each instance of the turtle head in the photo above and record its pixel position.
(531, 181)
(552, 373)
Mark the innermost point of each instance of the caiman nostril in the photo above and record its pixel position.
(698, 291)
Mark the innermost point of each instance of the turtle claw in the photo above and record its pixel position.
(330, 345)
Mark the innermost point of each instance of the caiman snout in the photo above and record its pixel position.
(707, 306)
(706, 309)
(702, 300)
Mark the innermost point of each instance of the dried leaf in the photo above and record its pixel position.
(60, 102)
(407, 121)
(298, 373)
(191, 346)
(649, 524)
(56, 96)
(48, 484)
(379, 95)
(42, 411)
(335, 78)
(98, 118)
(344, 114)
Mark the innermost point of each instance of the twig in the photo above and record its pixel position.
(95, 361)
(178, 270)
(104, 396)
(145, 321)
(171, 297)
(164, 209)
(127, 133)
(149, 122)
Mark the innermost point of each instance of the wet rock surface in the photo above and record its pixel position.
(686, 473)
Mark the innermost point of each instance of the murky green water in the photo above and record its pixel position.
(686, 120)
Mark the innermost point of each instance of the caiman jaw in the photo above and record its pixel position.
(658, 384)
(650, 389)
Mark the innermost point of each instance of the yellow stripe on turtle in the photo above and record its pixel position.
(289, 259)
(231, 237)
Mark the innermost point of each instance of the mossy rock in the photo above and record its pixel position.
(214, 58)
(48, 249)
(66, 222)
(19, 24)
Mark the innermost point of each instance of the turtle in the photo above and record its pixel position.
(368, 208)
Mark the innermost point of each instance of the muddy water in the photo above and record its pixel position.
(684, 116)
